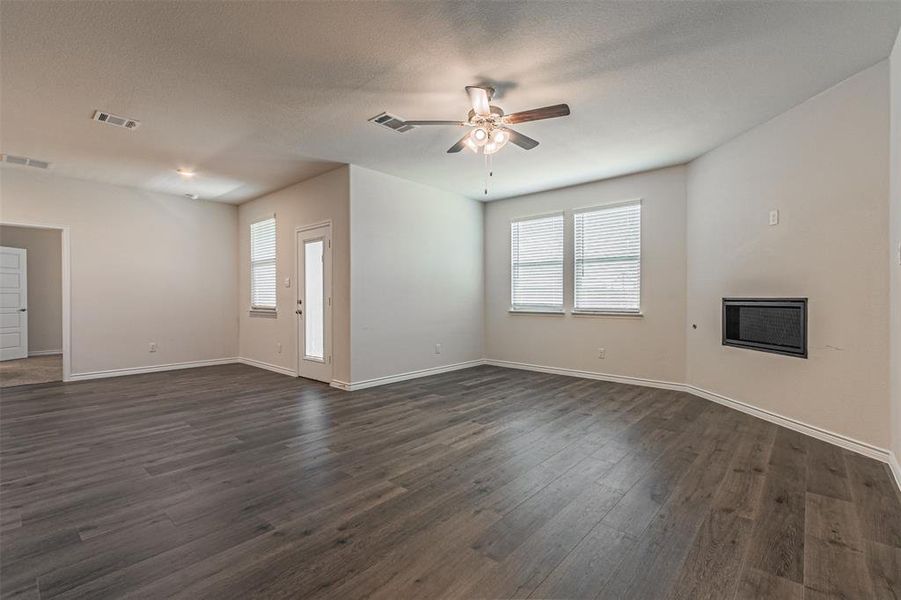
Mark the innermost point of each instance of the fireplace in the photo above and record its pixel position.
(767, 324)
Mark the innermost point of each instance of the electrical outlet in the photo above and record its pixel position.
(278, 347)
(152, 347)
(774, 217)
(437, 348)
(602, 353)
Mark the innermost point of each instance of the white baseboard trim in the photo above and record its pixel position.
(264, 365)
(44, 352)
(819, 433)
(151, 369)
(665, 385)
(837, 439)
(368, 383)
(895, 468)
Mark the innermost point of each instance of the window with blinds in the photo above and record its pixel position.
(536, 251)
(262, 264)
(608, 259)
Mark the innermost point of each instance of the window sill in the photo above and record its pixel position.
(536, 311)
(601, 313)
(266, 313)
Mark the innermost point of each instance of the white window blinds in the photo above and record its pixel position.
(536, 251)
(608, 259)
(262, 264)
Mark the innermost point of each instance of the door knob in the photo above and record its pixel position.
(22, 309)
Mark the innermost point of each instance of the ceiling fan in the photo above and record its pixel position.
(490, 126)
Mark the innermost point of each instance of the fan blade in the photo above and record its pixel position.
(480, 97)
(537, 114)
(523, 141)
(418, 123)
(459, 145)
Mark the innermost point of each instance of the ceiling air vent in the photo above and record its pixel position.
(24, 161)
(391, 122)
(115, 120)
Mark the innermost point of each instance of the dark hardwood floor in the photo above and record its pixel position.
(232, 482)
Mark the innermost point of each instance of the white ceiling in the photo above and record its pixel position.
(257, 95)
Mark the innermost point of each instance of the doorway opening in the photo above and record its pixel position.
(33, 305)
(314, 301)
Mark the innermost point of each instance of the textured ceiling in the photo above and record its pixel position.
(258, 95)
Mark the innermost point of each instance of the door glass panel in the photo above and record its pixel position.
(314, 313)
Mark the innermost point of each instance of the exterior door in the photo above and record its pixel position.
(314, 302)
(13, 303)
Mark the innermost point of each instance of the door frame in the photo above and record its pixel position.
(66, 286)
(297, 287)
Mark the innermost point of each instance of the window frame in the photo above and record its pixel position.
(540, 309)
(255, 308)
(638, 312)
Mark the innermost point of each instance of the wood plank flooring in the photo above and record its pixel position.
(233, 482)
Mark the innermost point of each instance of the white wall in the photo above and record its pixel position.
(315, 200)
(45, 296)
(894, 166)
(144, 268)
(652, 346)
(416, 276)
(822, 164)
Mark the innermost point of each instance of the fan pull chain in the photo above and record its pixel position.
(488, 170)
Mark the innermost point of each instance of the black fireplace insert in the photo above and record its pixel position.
(767, 324)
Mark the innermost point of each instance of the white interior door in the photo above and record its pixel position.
(314, 302)
(13, 303)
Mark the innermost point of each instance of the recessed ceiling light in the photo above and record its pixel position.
(185, 172)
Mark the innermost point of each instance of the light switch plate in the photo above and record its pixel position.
(774, 217)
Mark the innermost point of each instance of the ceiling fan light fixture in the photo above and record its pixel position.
(490, 124)
(498, 139)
